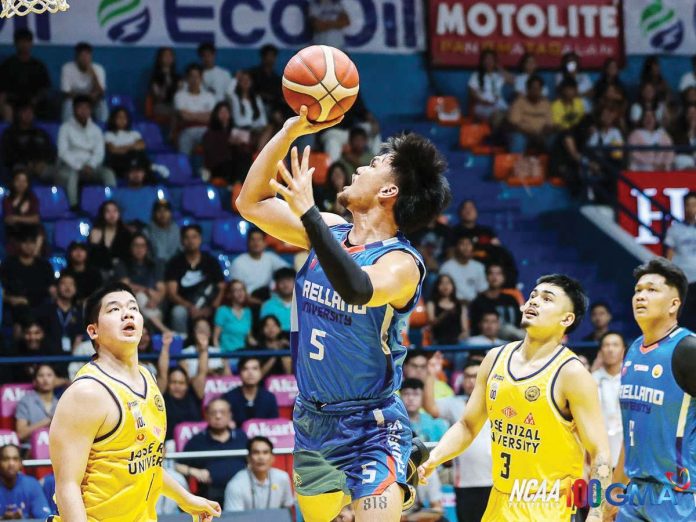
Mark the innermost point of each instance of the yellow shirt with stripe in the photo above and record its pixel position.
(530, 437)
(123, 478)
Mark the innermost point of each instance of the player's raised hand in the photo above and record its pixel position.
(300, 126)
(297, 191)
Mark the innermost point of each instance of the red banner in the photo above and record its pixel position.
(667, 188)
(460, 29)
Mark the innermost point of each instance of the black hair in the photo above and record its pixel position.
(94, 301)
(534, 78)
(523, 61)
(481, 71)
(191, 339)
(63, 275)
(495, 263)
(567, 58)
(357, 131)
(612, 332)
(423, 189)
(194, 67)
(284, 273)
(215, 123)
(244, 360)
(10, 445)
(258, 332)
(22, 170)
(567, 82)
(157, 205)
(111, 122)
(573, 289)
(177, 368)
(41, 365)
(489, 311)
(268, 48)
(329, 188)
(218, 399)
(190, 226)
(206, 46)
(412, 384)
(130, 260)
(255, 109)
(100, 221)
(82, 46)
(674, 276)
(413, 353)
(259, 438)
(80, 99)
(159, 76)
(23, 34)
(597, 304)
(645, 73)
(435, 295)
(74, 245)
(255, 231)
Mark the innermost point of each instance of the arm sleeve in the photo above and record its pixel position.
(345, 275)
(684, 364)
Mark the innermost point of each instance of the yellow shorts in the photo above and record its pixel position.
(501, 509)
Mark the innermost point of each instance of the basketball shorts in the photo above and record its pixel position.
(355, 449)
(682, 508)
(501, 509)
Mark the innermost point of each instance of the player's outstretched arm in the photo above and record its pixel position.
(73, 430)
(199, 507)
(257, 202)
(580, 391)
(461, 434)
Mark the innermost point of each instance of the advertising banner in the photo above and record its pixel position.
(660, 26)
(377, 26)
(668, 188)
(458, 30)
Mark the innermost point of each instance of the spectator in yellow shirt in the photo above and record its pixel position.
(568, 110)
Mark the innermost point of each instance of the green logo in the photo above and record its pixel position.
(124, 20)
(661, 25)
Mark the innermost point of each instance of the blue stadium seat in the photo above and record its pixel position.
(136, 204)
(51, 127)
(173, 169)
(225, 262)
(230, 234)
(175, 348)
(68, 230)
(3, 193)
(202, 201)
(151, 135)
(92, 197)
(59, 263)
(121, 100)
(53, 203)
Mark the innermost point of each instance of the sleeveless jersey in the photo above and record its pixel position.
(123, 478)
(530, 437)
(343, 352)
(659, 418)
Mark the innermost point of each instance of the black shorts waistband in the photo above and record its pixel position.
(346, 407)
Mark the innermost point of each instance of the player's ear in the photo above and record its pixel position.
(674, 305)
(92, 331)
(568, 320)
(388, 191)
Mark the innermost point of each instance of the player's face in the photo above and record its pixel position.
(45, 380)
(10, 463)
(413, 399)
(654, 299)
(548, 309)
(120, 323)
(260, 457)
(369, 185)
(612, 349)
(251, 373)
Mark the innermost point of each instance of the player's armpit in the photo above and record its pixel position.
(684, 364)
(73, 430)
(395, 278)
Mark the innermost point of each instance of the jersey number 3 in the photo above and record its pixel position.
(315, 340)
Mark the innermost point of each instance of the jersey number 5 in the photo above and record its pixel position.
(316, 335)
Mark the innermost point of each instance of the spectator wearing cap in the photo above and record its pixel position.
(27, 146)
(87, 277)
(35, 410)
(22, 77)
(123, 144)
(81, 151)
(215, 79)
(83, 77)
(193, 106)
(251, 400)
(280, 302)
(194, 281)
(256, 267)
(21, 496)
(163, 232)
(260, 485)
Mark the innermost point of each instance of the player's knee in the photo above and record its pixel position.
(322, 508)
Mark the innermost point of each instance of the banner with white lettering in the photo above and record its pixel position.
(378, 26)
(668, 188)
(660, 26)
(458, 30)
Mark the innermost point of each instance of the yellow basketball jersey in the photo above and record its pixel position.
(530, 437)
(123, 478)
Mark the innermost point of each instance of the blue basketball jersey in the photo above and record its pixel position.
(659, 418)
(342, 352)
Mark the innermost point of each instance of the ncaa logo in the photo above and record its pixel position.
(124, 20)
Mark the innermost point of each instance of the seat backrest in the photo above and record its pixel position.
(152, 136)
(136, 204)
(51, 129)
(503, 165)
(92, 197)
(217, 386)
(437, 105)
(184, 432)
(230, 234)
(173, 168)
(175, 348)
(69, 230)
(202, 201)
(280, 431)
(53, 203)
(284, 387)
(419, 316)
(10, 395)
(8, 437)
(39, 444)
(121, 100)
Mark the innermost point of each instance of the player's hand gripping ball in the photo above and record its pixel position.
(324, 79)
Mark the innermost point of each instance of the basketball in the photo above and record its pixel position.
(324, 79)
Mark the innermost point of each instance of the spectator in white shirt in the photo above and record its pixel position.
(260, 485)
(328, 19)
(81, 151)
(649, 133)
(688, 79)
(83, 77)
(486, 89)
(647, 99)
(681, 250)
(527, 68)
(469, 275)
(255, 268)
(123, 144)
(215, 79)
(570, 68)
(489, 326)
(611, 350)
(193, 105)
(248, 110)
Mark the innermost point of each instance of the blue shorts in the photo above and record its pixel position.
(357, 449)
(684, 507)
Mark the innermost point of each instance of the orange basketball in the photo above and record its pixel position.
(324, 79)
